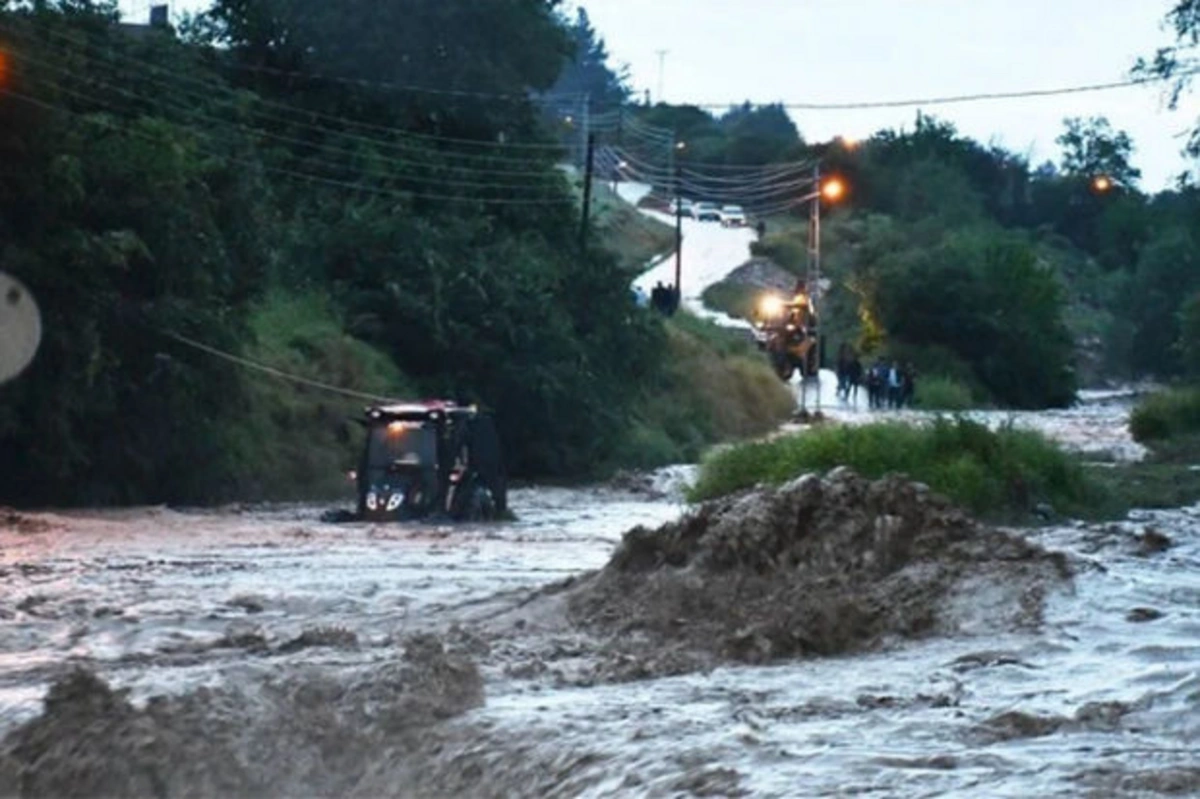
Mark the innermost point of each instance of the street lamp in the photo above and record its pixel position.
(832, 190)
(1102, 183)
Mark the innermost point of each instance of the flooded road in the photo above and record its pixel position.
(1103, 699)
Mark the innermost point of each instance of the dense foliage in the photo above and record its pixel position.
(1166, 414)
(274, 184)
(1001, 474)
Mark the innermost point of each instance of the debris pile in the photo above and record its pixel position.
(814, 567)
(308, 733)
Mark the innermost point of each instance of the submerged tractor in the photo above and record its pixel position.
(430, 459)
(786, 329)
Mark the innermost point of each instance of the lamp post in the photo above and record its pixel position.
(832, 189)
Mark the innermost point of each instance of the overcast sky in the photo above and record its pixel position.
(867, 50)
(722, 51)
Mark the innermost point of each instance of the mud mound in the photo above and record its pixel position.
(815, 567)
(14, 521)
(310, 734)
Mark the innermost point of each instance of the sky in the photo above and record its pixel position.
(837, 51)
(726, 51)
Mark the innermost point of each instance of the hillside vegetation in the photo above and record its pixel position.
(178, 199)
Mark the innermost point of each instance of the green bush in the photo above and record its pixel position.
(1002, 474)
(715, 387)
(1166, 414)
(290, 442)
(735, 299)
(938, 393)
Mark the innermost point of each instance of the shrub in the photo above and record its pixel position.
(1166, 414)
(734, 299)
(1001, 474)
(942, 394)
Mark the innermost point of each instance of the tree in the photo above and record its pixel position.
(587, 71)
(982, 295)
(1092, 149)
(759, 134)
(1189, 336)
(1180, 61)
(1167, 272)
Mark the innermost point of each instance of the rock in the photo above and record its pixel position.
(1152, 541)
(1143, 614)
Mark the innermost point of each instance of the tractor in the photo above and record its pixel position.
(433, 459)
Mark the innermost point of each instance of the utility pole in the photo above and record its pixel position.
(589, 158)
(678, 234)
(584, 124)
(814, 278)
(662, 54)
(814, 239)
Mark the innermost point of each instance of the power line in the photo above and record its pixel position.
(395, 193)
(959, 98)
(206, 87)
(529, 180)
(271, 370)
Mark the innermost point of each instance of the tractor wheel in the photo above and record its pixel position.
(783, 367)
(479, 505)
(483, 506)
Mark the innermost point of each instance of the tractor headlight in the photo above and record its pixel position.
(394, 501)
(770, 305)
(372, 501)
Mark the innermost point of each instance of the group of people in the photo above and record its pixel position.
(889, 384)
(664, 298)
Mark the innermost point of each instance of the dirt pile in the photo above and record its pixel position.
(815, 567)
(310, 734)
(23, 524)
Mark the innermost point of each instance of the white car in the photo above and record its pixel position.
(733, 216)
(707, 212)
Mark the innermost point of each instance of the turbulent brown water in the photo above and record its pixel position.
(257, 651)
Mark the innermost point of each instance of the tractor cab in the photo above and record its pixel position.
(786, 329)
(430, 459)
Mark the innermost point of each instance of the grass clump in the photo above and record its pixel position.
(735, 299)
(1002, 475)
(715, 387)
(293, 442)
(634, 238)
(937, 393)
(1152, 483)
(1166, 415)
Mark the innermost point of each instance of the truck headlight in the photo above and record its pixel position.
(372, 501)
(394, 501)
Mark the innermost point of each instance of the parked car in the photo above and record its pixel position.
(733, 216)
(707, 212)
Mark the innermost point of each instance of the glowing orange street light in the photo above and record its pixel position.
(833, 189)
(1102, 183)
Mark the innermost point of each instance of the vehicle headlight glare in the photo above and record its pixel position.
(372, 501)
(771, 305)
(394, 501)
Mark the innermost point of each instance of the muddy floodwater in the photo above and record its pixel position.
(235, 614)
